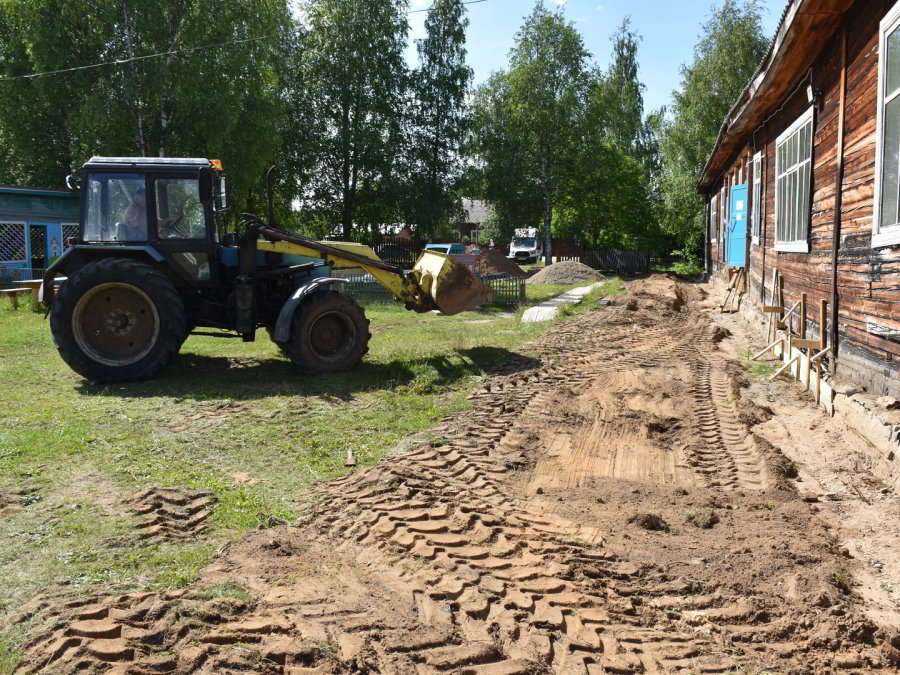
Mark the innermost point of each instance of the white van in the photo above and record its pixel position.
(526, 245)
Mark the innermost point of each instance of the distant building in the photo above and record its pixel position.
(475, 212)
(35, 224)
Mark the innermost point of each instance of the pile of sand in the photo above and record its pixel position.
(491, 261)
(568, 272)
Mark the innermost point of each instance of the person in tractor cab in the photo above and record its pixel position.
(134, 221)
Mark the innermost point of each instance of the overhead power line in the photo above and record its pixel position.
(117, 62)
(170, 52)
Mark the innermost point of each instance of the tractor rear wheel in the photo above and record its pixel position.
(329, 333)
(118, 320)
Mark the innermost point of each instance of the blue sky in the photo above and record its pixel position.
(669, 27)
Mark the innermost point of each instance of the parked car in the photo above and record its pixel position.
(449, 249)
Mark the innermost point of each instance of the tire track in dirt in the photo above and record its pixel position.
(443, 560)
(171, 513)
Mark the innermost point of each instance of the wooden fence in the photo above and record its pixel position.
(509, 291)
(607, 259)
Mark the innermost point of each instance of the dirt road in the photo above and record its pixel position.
(604, 508)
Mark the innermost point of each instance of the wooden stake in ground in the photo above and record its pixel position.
(803, 316)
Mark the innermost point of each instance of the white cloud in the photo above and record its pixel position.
(600, 8)
(560, 2)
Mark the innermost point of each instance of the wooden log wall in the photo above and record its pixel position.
(868, 279)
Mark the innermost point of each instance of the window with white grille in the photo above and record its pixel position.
(713, 219)
(12, 243)
(886, 223)
(756, 212)
(793, 178)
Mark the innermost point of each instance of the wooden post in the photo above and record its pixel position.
(838, 197)
(823, 304)
(771, 334)
(803, 316)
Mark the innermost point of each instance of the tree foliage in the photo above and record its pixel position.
(439, 115)
(346, 102)
(563, 145)
(726, 56)
(221, 102)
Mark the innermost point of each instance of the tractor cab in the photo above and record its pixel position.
(163, 207)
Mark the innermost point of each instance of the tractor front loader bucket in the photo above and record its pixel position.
(436, 282)
(451, 286)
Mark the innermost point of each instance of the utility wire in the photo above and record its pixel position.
(117, 62)
(171, 52)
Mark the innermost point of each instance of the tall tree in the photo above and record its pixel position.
(220, 101)
(623, 92)
(725, 58)
(349, 89)
(500, 160)
(541, 98)
(439, 115)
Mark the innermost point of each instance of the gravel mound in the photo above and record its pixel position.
(568, 272)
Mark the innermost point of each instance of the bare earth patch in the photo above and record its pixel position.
(503, 545)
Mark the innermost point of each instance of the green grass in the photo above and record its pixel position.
(702, 517)
(758, 371)
(684, 268)
(223, 407)
(536, 293)
(842, 579)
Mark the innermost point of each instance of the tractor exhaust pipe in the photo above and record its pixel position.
(269, 196)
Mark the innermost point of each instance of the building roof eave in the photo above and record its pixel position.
(804, 29)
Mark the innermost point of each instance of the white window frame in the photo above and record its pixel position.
(756, 206)
(726, 219)
(889, 235)
(800, 245)
(714, 219)
(25, 248)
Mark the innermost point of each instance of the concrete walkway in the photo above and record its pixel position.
(547, 310)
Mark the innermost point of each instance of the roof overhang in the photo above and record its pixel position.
(42, 192)
(805, 28)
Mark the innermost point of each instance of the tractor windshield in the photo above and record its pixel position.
(116, 208)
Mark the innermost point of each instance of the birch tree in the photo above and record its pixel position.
(349, 97)
(439, 116)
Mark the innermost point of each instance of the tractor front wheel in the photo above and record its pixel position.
(117, 320)
(330, 332)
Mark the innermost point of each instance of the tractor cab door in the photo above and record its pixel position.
(169, 210)
(183, 225)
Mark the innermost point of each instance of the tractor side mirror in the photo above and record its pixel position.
(206, 185)
(224, 187)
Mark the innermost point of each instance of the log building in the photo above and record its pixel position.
(805, 178)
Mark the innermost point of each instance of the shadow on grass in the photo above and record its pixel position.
(200, 377)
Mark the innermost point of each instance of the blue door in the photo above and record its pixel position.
(736, 241)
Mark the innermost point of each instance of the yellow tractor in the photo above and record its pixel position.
(148, 268)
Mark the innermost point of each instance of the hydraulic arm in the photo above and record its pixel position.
(435, 282)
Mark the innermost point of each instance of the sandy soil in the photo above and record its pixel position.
(621, 503)
(862, 510)
(494, 262)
